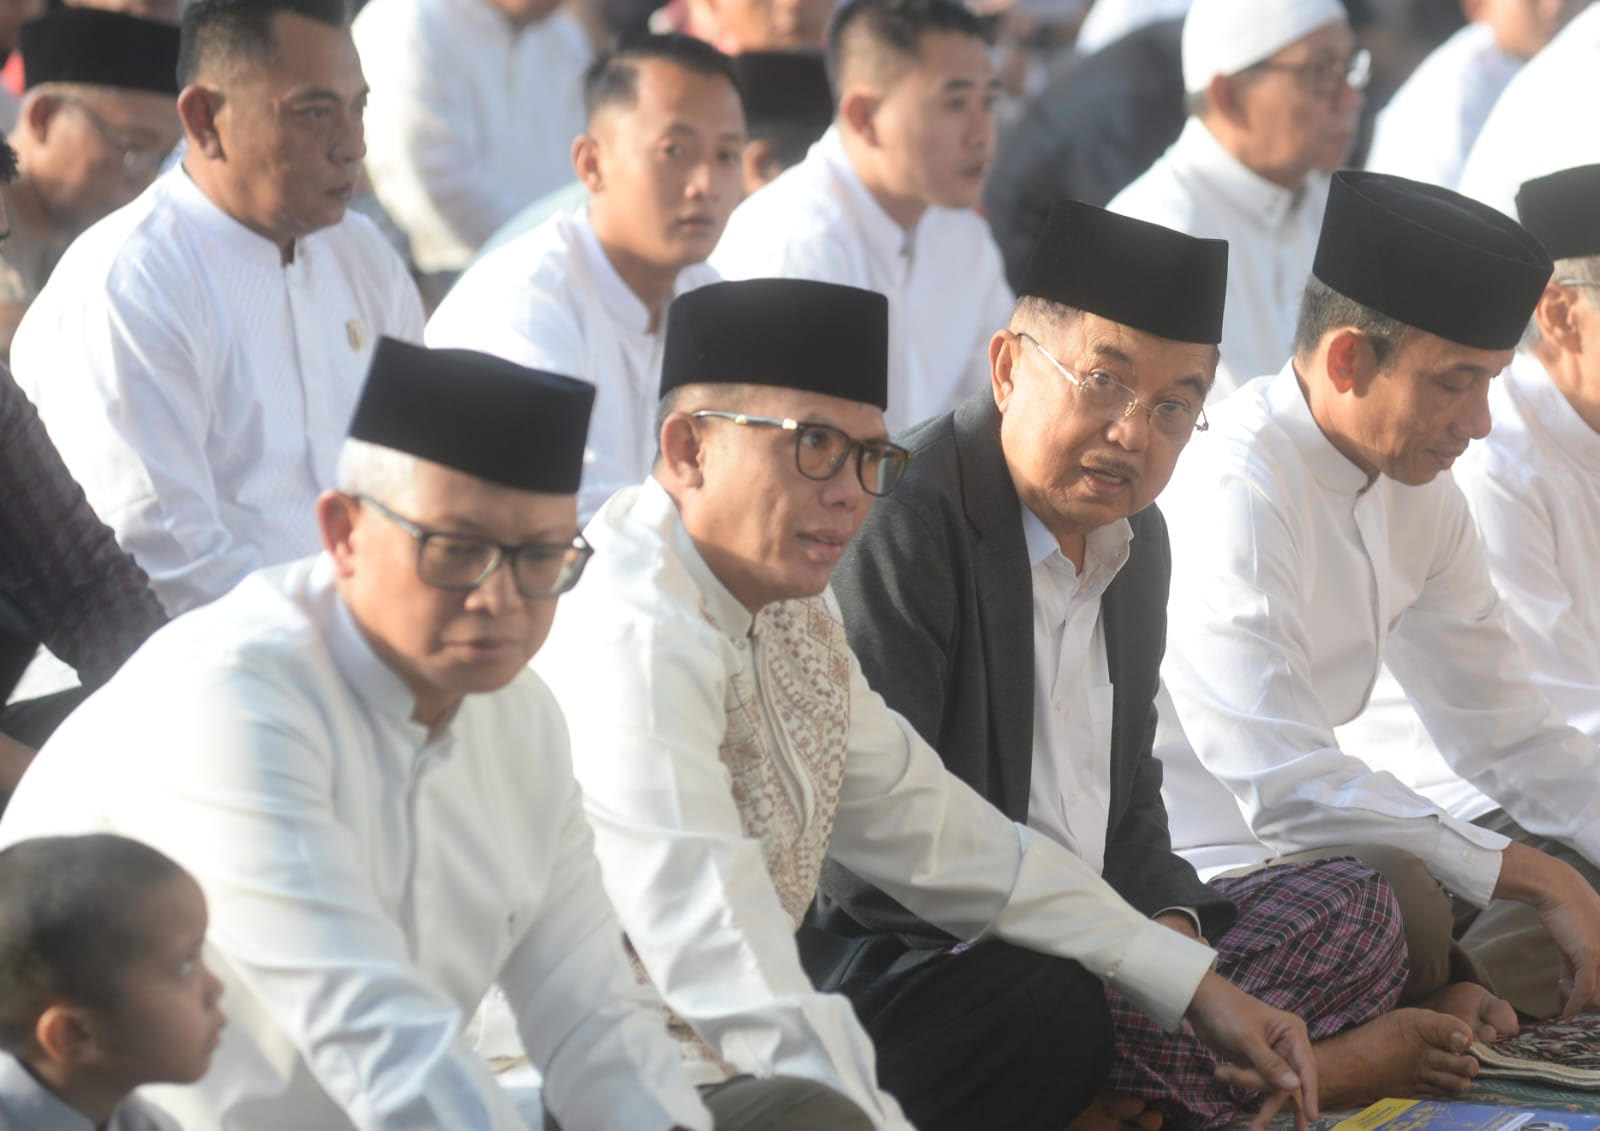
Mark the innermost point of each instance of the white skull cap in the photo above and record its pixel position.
(1223, 37)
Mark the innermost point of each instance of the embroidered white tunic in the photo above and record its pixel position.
(1428, 126)
(1299, 580)
(367, 879)
(469, 119)
(1199, 188)
(27, 1105)
(552, 300)
(199, 388)
(944, 278)
(1527, 135)
(724, 756)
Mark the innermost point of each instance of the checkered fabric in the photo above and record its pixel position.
(1321, 939)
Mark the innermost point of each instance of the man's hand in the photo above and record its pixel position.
(1569, 909)
(1271, 1046)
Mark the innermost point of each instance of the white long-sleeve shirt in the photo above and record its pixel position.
(944, 278)
(1199, 188)
(470, 118)
(725, 755)
(199, 388)
(1427, 128)
(1299, 580)
(367, 879)
(1527, 133)
(551, 299)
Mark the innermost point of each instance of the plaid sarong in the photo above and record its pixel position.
(1321, 939)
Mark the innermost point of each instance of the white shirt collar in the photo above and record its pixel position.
(623, 306)
(1262, 202)
(37, 1108)
(886, 240)
(201, 210)
(1287, 403)
(1105, 551)
(656, 509)
(1534, 385)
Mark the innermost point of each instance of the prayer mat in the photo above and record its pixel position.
(1564, 1052)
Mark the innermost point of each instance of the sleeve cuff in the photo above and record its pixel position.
(1192, 915)
(1466, 860)
(1160, 973)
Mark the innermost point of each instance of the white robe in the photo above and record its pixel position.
(469, 119)
(198, 388)
(724, 755)
(944, 278)
(551, 299)
(1197, 187)
(1427, 128)
(1298, 581)
(367, 880)
(1539, 123)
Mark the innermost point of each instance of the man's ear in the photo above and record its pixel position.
(337, 515)
(63, 1034)
(198, 109)
(1003, 350)
(39, 113)
(760, 163)
(1554, 315)
(586, 161)
(682, 450)
(858, 111)
(1223, 99)
(1350, 360)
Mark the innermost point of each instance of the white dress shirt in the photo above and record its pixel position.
(724, 755)
(551, 299)
(1529, 133)
(1298, 580)
(1069, 790)
(469, 119)
(368, 879)
(27, 1105)
(1199, 188)
(1428, 126)
(198, 387)
(944, 278)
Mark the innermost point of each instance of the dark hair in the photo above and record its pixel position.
(65, 929)
(895, 27)
(613, 78)
(8, 162)
(226, 30)
(1323, 309)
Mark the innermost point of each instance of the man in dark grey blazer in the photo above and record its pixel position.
(1010, 601)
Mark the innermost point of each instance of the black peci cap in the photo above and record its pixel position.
(87, 45)
(1562, 210)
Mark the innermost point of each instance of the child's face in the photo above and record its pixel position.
(166, 1023)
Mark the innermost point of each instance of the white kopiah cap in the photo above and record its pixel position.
(1223, 37)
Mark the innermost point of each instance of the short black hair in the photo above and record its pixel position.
(8, 162)
(893, 28)
(227, 30)
(1323, 309)
(613, 78)
(65, 929)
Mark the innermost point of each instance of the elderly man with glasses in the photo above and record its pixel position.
(730, 744)
(1274, 92)
(96, 121)
(1009, 600)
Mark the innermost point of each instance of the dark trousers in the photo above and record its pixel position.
(989, 1035)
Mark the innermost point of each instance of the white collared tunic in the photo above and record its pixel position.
(198, 387)
(1536, 126)
(1199, 188)
(944, 278)
(1427, 128)
(27, 1105)
(724, 756)
(470, 118)
(1069, 791)
(552, 300)
(1298, 580)
(367, 879)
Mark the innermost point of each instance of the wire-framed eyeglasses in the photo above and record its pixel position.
(1326, 78)
(820, 450)
(137, 159)
(1103, 397)
(464, 561)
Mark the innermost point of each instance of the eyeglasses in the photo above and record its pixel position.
(1102, 396)
(821, 449)
(137, 159)
(461, 561)
(1578, 282)
(1329, 77)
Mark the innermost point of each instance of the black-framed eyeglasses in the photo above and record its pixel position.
(820, 450)
(1328, 77)
(137, 158)
(1102, 396)
(465, 561)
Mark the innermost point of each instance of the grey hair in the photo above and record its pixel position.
(384, 473)
(1585, 269)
